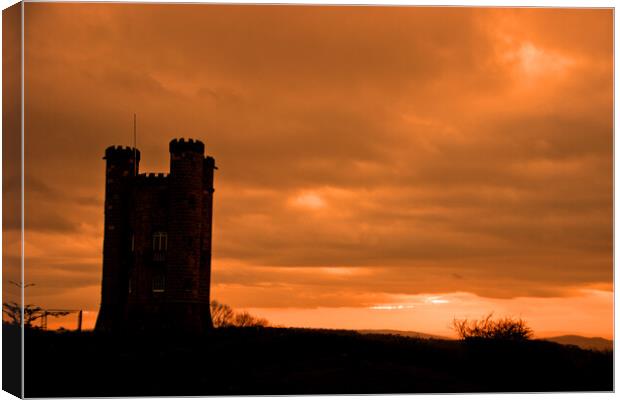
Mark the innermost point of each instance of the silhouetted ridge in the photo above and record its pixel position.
(280, 361)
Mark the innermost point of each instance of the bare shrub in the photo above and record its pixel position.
(224, 316)
(506, 328)
(221, 314)
(244, 319)
(31, 313)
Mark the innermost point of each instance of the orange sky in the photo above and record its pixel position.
(370, 157)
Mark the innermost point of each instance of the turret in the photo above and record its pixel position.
(121, 165)
(122, 159)
(185, 229)
(208, 167)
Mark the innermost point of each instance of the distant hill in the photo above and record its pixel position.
(587, 343)
(593, 343)
(411, 334)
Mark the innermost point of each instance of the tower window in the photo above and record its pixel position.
(160, 241)
(191, 202)
(188, 284)
(159, 283)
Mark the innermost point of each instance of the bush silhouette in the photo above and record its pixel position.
(245, 319)
(506, 328)
(224, 316)
(31, 313)
(221, 314)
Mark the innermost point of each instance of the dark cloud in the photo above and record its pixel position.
(432, 149)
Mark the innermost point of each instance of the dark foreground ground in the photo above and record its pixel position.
(297, 361)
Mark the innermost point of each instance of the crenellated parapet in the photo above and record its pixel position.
(151, 176)
(181, 145)
(121, 153)
(209, 162)
(152, 179)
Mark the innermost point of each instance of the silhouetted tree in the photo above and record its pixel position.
(31, 313)
(221, 314)
(244, 319)
(224, 316)
(506, 328)
(13, 311)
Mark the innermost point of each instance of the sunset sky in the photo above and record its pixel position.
(387, 168)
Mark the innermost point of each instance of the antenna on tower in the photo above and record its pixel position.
(135, 161)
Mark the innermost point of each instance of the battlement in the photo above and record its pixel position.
(152, 179)
(121, 153)
(182, 145)
(210, 162)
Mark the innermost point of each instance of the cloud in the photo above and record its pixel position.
(425, 149)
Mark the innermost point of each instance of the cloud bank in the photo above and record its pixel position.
(364, 152)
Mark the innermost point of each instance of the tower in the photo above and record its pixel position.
(187, 228)
(121, 168)
(157, 257)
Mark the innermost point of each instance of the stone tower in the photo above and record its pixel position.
(157, 242)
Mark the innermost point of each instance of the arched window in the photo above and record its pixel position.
(159, 283)
(160, 241)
